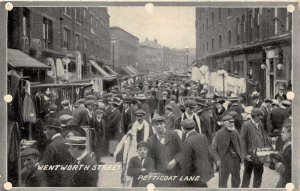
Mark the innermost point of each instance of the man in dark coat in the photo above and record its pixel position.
(170, 118)
(80, 114)
(175, 107)
(280, 96)
(196, 152)
(278, 115)
(141, 164)
(205, 118)
(126, 116)
(31, 176)
(266, 108)
(82, 177)
(99, 126)
(66, 108)
(56, 153)
(253, 136)
(52, 112)
(166, 149)
(226, 149)
(219, 111)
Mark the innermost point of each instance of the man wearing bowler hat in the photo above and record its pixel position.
(83, 177)
(170, 118)
(227, 152)
(31, 176)
(56, 153)
(220, 112)
(253, 136)
(196, 152)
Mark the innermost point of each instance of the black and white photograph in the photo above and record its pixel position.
(149, 96)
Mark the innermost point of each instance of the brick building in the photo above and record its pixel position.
(126, 48)
(254, 43)
(73, 35)
(151, 56)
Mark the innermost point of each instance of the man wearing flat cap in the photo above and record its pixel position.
(278, 115)
(66, 108)
(99, 126)
(280, 96)
(127, 116)
(65, 120)
(166, 149)
(82, 177)
(56, 153)
(220, 112)
(52, 112)
(31, 176)
(253, 136)
(80, 117)
(175, 107)
(190, 113)
(196, 152)
(227, 152)
(170, 118)
(205, 119)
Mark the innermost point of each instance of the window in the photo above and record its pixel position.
(92, 47)
(47, 33)
(220, 41)
(228, 12)
(212, 19)
(207, 46)
(68, 11)
(26, 22)
(85, 43)
(212, 44)
(92, 24)
(77, 14)
(275, 20)
(238, 31)
(220, 15)
(66, 38)
(229, 37)
(288, 21)
(207, 24)
(203, 27)
(77, 42)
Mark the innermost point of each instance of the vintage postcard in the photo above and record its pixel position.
(149, 95)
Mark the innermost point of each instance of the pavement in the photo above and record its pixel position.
(111, 178)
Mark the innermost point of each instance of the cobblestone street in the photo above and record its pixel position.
(112, 178)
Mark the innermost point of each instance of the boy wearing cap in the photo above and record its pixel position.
(253, 136)
(99, 126)
(227, 152)
(56, 153)
(83, 177)
(31, 176)
(141, 164)
(196, 152)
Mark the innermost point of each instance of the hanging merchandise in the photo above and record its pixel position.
(28, 110)
(60, 69)
(13, 82)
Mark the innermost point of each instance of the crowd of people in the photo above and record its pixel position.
(165, 128)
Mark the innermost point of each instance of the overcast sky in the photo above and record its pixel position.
(171, 26)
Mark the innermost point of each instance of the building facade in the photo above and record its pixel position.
(125, 49)
(254, 43)
(151, 56)
(174, 59)
(74, 35)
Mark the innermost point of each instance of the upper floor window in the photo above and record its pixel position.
(47, 33)
(66, 38)
(68, 11)
(212, 19)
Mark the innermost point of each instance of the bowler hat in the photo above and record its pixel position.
(190, 103)
(81, 101)
(30, 151)
(78, 130)
(91, 97)
(268, 100)
(220, 101)
(127, 100)
(53, 107)
(140, 97)
(52, 123)
(200, 101)
(168, 107)
(90, 102)
(76, 140)
(257, 111)
(65, 102)
(233, 113)
(115, 101)
(173, 98)
(188, 124)
(286, 103)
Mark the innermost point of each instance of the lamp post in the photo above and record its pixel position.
(187, 58)
(113, 42)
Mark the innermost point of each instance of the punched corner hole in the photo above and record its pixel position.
(9, 6)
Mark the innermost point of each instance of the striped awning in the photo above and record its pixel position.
(95, 65)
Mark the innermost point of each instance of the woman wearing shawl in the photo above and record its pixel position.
(140, 131)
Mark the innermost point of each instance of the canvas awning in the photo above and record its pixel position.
(95, 65)
(114, 73)
(19, 59)
(134, 70)
(128, 71)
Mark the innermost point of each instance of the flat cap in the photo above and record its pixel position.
(173, 97)
(234, 104)
(257, 111)
(168, 107)
(53, 107)
(30, 151)
(286, 103)
(52, 122)
(227, 118)
(140, 112)
(91, 97)
(201, 101)
(76, 140)
(220, 101)
(77, 130)
(127, 100)
(233, 113)
(81, 101)
(190, 103)
(88, 102)
(188, 124)
(140, 97)
(65, 102)
(65, 118)
(233, 99)
(143, 144)
(115, 101)
(158, 118)
(268, 100)
(106, 95)
(275, 102)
